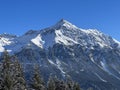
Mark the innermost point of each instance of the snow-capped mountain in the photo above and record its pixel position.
(88, 56)
(63, 33)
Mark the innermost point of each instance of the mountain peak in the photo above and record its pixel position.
(64, 23)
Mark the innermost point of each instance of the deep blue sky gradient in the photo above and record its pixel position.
(19, 16)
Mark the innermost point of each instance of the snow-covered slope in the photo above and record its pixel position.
(6, 40)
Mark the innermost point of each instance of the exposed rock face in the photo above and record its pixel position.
(88, 56)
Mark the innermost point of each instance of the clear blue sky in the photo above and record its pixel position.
(19, 16)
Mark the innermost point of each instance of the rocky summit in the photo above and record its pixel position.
(88, 56)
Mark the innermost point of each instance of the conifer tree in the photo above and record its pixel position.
(37, 80)
(69, 83)
(76, 86)
(7, 73)
(19, 78)
(61, 86)
(51, 84)
(1, 79)
(11, 74)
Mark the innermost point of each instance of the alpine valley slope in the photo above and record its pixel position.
(88, 56)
